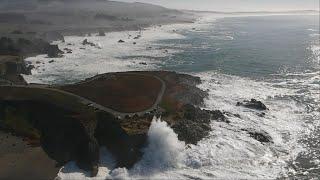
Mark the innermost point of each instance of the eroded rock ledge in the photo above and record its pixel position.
(114, 110)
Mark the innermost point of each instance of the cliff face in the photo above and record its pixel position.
(20, 46)
(71, 122)
(10, 69)
(62, 137)
(12, 52)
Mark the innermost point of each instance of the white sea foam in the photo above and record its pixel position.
(231, 153)
(164, 150)
(108, 56)
(316, 53)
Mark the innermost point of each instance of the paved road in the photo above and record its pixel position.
(87, 102)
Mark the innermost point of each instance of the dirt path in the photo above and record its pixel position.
(14, 91)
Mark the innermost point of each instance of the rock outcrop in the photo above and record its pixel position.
(253, 104)
(260, 136)
(62, 136)
(27, 47)
(11, 68)
(86, 42)
(195, 123)
(120, 121)
(53, 51)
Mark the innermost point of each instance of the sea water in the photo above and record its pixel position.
(275, 59)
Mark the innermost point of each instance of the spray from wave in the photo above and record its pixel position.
(163, 152)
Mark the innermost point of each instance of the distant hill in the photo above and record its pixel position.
(84, 15)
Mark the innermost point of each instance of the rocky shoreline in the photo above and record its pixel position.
(90, 115)
(79, 127)
(123, 136)
(114, 110)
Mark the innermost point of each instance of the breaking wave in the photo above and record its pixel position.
(163, 152)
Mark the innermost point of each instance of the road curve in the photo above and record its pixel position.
(87, 102)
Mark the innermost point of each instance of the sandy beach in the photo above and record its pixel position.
(18, 160)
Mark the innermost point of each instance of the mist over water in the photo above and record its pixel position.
(274, 59)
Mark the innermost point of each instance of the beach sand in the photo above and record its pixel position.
(18, 160)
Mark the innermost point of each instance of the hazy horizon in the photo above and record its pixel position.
(235, 5)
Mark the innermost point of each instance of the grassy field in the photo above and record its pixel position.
(122, 92)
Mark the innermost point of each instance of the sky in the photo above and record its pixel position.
(236, 5)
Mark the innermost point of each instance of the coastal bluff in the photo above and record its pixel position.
(72, 122)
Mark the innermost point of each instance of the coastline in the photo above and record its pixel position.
(115, 42)
(34, 154)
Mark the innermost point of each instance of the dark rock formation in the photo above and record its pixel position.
(261, 136)
(195, 123)
(121, 41)
(143, 63)
(67, 50)
(54, 51)
(126, 148)
(7, 46)
(253, 104)
(27, 47)
(86, 42)
(137, 37)
(11, 67)
(61, 134)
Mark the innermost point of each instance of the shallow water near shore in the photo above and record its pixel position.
(275, 59)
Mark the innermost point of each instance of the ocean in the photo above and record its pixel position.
(273, 58)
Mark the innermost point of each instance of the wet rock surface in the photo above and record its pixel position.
(253, 104)
(86, 42)
(195, 123)
(260, 136)
(54, 51)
